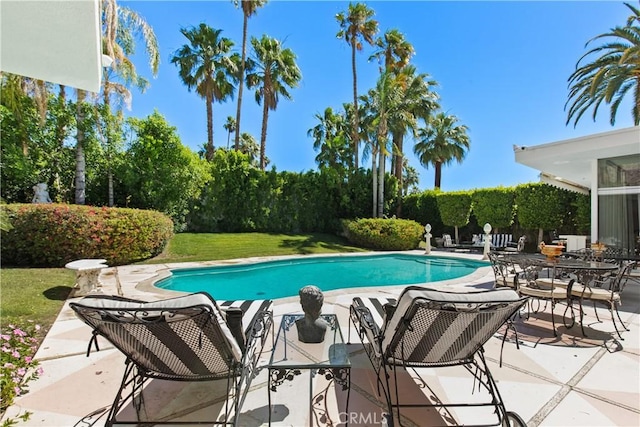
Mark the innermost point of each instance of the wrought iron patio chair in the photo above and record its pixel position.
(503, 270)
(603, 289)
(428, 328)
(529, 285)
(188, 338)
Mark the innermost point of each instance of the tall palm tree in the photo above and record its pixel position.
(119, 26)
(275, 72)
(415, 101)
(249, 8)
(230, 127)
(331, 142)
(250, 147)
(610, 76)
(356, 27)
(394, 51)
(207, 65)
(440, 142)
(411, 179)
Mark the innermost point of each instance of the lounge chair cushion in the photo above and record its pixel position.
(457, 299)
(192, 300)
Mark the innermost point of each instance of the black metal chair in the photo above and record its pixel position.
(428, 328)
(606, 289)
(180, 339)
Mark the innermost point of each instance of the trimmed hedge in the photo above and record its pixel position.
(50, 235)
(384, 234)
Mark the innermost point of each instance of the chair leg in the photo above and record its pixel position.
(130, 377)
(613, 319)
(584, 334)
(619, 318)
(553, 317)
(596, 312)
(387, 395)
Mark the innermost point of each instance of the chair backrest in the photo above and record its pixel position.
(521, 242)
(446, 238)
(436, 328)
(500, 240)
(622, 276)
(499, 267)
(182, 338)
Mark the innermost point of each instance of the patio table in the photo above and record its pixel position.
(585, 273)
(328, 359)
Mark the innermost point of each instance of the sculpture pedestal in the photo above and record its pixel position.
(87, 274)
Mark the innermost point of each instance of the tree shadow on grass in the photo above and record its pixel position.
(311, 242)
(58, 293)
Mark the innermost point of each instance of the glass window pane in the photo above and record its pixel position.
(621, 171)
(619, 221)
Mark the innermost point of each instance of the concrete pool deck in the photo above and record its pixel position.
(569, 380)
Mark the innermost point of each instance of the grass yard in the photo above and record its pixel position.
(37, 294)
(186, 247)
(33, 294)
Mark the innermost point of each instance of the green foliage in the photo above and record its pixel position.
(494, 206)
(53, 234)
(162, 174)
(384, 234)
(582, 213)
(41, 156)
(454, 207)
(17, 365)
(423, 208)
(241, 198)
(542, 206)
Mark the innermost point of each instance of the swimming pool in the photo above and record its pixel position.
(283, 278)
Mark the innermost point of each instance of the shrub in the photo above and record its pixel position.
(50, 235)
(18, 368)
(384, 234)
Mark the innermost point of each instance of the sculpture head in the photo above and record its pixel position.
(311, 299)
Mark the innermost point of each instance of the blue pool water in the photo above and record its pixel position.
(279, 279)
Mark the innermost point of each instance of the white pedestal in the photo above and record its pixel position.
(87, 274)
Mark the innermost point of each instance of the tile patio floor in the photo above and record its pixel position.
(570, 380)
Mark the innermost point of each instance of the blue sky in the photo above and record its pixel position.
(502, 69)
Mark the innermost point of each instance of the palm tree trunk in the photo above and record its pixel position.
(374, 176)
(80, 179)
(438, 170)
(209, 152)
(263, 135)
(60, 137)
(356, 124)
(398, 143)
(381, 166)
(241, 81)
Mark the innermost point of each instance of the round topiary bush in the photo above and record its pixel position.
(384, 234)
(50, 235)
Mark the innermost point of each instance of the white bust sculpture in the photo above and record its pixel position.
(40, 193)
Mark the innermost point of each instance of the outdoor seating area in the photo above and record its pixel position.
(459, 341)
(571, 279)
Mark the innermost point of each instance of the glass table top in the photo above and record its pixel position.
(290, 352)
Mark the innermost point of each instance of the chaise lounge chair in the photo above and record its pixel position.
(188, 338)
(428, 328)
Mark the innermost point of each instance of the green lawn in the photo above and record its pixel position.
(33, 294)
(37, 294)
(208, 247)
